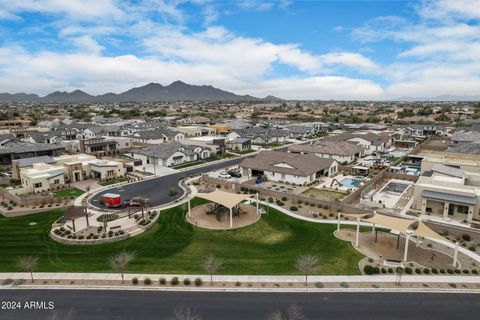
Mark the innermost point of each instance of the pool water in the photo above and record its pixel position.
(350, 183)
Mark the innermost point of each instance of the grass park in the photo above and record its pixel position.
(173, 245)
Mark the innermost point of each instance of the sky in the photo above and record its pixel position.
(355, 50)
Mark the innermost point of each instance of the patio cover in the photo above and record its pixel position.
(398, 224)
(424, 231)
(226, 199)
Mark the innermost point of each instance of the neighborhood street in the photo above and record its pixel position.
(104, 304)
(156, 189)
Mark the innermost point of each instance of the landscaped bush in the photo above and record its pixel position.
(238, 284)
(466, 271)
(434, 271)
(174, 281)
(426, 271)
(135, 280)
(198, 282)
(466, 237)
(384, 270)
(472, 248)
(390, 270)
(442, 271)
(319, 285)
(408, 270)
(418, 270)
(147, 281)
(344, 285)
(293, 208)
(370, 260)
(270, 200)
(449, 271)
(368, 269)
(162, 281)
(474, 271)
(186, 281)
(457, 271)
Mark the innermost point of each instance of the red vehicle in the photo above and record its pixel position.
(112, 200)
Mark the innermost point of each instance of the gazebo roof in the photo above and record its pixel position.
(394, 223)
(226, 199)
(424, 231)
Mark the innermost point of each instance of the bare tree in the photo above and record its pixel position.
(120, 261)
(306, 263)
(211, 265)
(292, 312)
(28, 264)
(185, 314)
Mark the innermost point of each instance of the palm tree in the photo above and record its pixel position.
(210, 265)
(120, 261)
(28, 264)
(306, 263)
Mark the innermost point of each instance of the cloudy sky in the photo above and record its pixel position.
(300, 50)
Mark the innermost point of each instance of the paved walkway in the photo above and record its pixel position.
(245, 278)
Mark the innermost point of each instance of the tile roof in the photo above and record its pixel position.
(302, 164)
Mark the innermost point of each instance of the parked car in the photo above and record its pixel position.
(224, 175)
(235, 174)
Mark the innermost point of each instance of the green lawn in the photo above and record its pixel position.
(67, 193)
(174, 246)
(188, 164)
(323, 194)
(113, 181)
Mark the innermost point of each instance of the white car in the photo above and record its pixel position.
(224, 175)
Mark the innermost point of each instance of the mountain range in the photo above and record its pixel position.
(152, 92)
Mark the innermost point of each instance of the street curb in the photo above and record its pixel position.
(244, 290)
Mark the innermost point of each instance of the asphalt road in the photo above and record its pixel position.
(156, 189)
(139, 305)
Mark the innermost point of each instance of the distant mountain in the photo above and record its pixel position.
(440, 98)
(176, 91)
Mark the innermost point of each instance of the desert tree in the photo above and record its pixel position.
(119, 262)
(292, 312)
(306, 263)
(211, 265)
(185, 314)
(28, 264)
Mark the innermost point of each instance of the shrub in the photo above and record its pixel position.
(238, 284)
(162, 281)
(135, 280)
(344, 285)
(370, 260)
(474, 271)
(198, 282)
(434, 271)
(418, 270)
(426, 271)
(147, 281)
(368, 269)
(466, 271)
(270, 200)
(186, 281)
(174, 281)
(449, 271)
(472, 248)
(172, 192)
(293, 208)
(319, 285)
(457, 271)
(442, 271)
(384, 270)
(466, 237)
(408, 270)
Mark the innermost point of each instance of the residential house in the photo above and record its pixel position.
(239, 144)
(28, 150)
(157, 136)
(298, 169)
(341, 151)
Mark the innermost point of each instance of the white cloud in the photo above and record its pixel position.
(87, 44)
(449, 9)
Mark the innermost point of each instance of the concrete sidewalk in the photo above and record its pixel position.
(247, 278)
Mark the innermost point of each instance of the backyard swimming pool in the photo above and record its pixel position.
(350, 182)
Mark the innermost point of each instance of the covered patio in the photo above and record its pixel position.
(401, 227)
(224, 203)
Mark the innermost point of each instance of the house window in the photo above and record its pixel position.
(56, 181)
(38, 185)
(462, 209)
